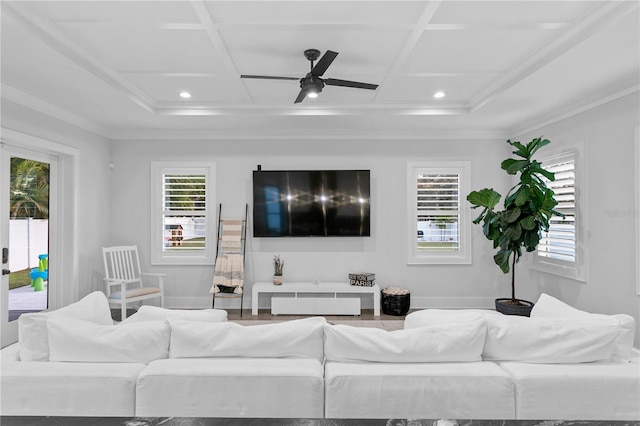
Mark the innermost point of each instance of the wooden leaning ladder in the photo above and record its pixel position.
(243, 249)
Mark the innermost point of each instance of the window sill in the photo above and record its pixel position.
(565, 271)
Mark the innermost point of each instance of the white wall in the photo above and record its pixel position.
(113, 208)
(92, 190)
(608, 135)
(324, 259)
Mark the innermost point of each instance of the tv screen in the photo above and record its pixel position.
(299, 203)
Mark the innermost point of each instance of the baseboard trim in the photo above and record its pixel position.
(201, 302)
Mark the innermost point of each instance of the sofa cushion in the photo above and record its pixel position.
(452, 342)
(152, 313)
(301, 338)
(440, 316)
(593, 391)
(231, 387)
(32, 328)
(550, 307)
(74, 340)
(68, 389)
(460, 390)
(549, 340)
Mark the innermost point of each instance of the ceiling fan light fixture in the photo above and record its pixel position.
(312, 86)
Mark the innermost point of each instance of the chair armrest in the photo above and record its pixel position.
(160, 278)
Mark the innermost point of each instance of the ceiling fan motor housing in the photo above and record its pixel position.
(311, 84)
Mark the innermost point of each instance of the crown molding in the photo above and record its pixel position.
(313, 135)
(621, 88)
(298, 110)
(598, 17)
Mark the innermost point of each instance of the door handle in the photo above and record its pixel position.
(6, 272)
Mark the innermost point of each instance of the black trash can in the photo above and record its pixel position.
(395, 301)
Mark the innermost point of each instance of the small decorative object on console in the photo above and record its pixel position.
(363, 279)
(278, 265)
(395, 301)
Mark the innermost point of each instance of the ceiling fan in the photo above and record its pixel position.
(312, 83)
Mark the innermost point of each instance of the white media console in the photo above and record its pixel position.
(304, 298)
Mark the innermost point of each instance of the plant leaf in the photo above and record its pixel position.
(528, 223)
(536, 144)
(536, 167)
(522, 197)
(512, 215)
(486, 197)
(521, 150)
(513, 166)
(531, 240)
(513, 232)
(502, 259)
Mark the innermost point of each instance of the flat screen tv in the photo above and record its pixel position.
(310, 203)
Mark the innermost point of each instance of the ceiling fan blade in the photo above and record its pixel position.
(269, 77)
(347, 83)
(301, 96)
(324, 63)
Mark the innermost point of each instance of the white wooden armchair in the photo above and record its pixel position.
(122, 271)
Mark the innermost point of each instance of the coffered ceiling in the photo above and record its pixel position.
(118, 67)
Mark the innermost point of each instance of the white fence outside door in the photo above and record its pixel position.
(28, 238)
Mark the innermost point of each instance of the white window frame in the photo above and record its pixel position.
(576, 270)
(463, 255)
(182, 257)
(637, 212)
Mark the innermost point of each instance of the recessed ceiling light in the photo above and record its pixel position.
(438, 95)
(185, 95)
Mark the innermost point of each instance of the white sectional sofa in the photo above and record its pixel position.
(559, 364)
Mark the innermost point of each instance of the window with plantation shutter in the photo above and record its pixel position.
(438, 230)
(183, 211)
(560, 242)
(561, 251)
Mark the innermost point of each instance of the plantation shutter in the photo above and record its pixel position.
(184, 211)
(438, 211)
(560, 242)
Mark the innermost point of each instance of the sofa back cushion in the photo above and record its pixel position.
(549, 340)
(72, 340)
(442, 316)
(449, 342)
(32, 328)
(154, 313)
(550, 307)
(301, 338)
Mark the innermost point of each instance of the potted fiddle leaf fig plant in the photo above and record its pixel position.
(528, 208)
